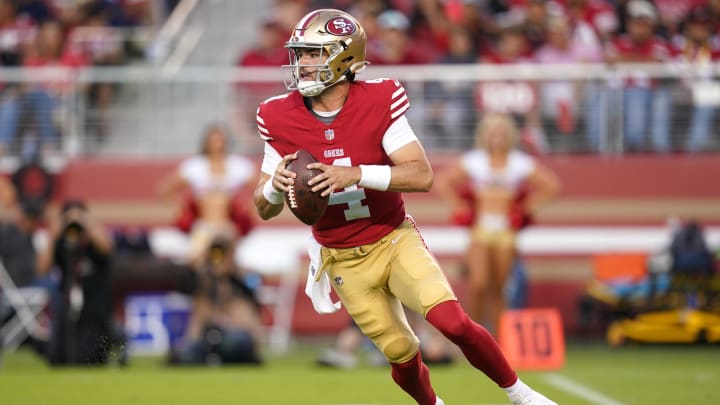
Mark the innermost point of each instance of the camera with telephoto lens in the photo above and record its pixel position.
(73, 232)
(72, 236)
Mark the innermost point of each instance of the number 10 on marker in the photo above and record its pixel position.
(533, 339)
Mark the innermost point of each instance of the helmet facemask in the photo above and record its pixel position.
(329, 71)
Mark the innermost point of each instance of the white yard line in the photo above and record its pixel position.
(575, 388)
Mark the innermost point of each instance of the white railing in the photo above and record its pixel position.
(151, 105)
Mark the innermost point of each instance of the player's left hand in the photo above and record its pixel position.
(333, 178)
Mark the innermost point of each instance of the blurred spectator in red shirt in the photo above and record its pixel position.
(562, 100)
(429, 25)
(598, 13)
(269, 47)
(50, 50)
(646, 103)
(470, 15)
(269, 50)
(699, 46)
(102, 45)
(515, 97)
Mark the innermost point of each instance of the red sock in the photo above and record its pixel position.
(413, 376)
(476, 342)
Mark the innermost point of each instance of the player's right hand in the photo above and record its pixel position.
(284, 177)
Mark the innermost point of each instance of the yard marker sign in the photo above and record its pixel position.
(532, 339)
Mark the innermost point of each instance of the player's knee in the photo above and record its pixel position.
(401, 349)
(449, 318)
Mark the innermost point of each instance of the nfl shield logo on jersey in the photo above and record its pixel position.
(329, 134)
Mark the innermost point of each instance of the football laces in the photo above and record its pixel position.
(291, 196)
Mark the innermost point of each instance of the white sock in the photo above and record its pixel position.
(517, 388)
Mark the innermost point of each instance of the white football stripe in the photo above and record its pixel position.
(260, 120)
(397, 93)
(400, 111)
(263, 130)
(304, 21)
(579, 390)
(397, 103)
(273, 98)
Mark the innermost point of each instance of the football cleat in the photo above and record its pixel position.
(530, 397)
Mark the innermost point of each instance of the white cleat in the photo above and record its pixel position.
(530, 398)
(439, 401)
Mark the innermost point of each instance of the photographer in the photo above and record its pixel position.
(225, 324)
(80, 249)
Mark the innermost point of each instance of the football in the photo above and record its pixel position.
(305, 204)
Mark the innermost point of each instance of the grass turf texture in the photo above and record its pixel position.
(629, 375)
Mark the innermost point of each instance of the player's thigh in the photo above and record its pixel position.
(377, 312)
(415, 276)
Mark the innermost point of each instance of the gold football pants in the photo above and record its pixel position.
(374, 280)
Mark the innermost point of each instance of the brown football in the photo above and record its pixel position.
(307, 206)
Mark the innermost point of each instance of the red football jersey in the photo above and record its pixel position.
(355, 216)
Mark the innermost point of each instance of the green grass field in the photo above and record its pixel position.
(594, 374)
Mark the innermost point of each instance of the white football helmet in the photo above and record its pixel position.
(337, 35)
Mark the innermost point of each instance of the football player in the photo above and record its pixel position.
(365, 242)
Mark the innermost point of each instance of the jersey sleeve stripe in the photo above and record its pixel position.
(260, 120)
(263, 130)
(398, 102)
(397, 93)
(400, 111)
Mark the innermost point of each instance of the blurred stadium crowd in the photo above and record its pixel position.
(658, 115)
(667, 106)
(71, 34)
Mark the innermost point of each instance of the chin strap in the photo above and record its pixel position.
(310, 88)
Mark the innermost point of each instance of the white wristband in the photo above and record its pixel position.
(273, 196)
(376, 177)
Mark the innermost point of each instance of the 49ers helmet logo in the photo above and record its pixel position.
(340, 26)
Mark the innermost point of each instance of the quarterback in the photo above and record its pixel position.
(365, 244)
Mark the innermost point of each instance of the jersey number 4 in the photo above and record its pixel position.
(352, 196)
